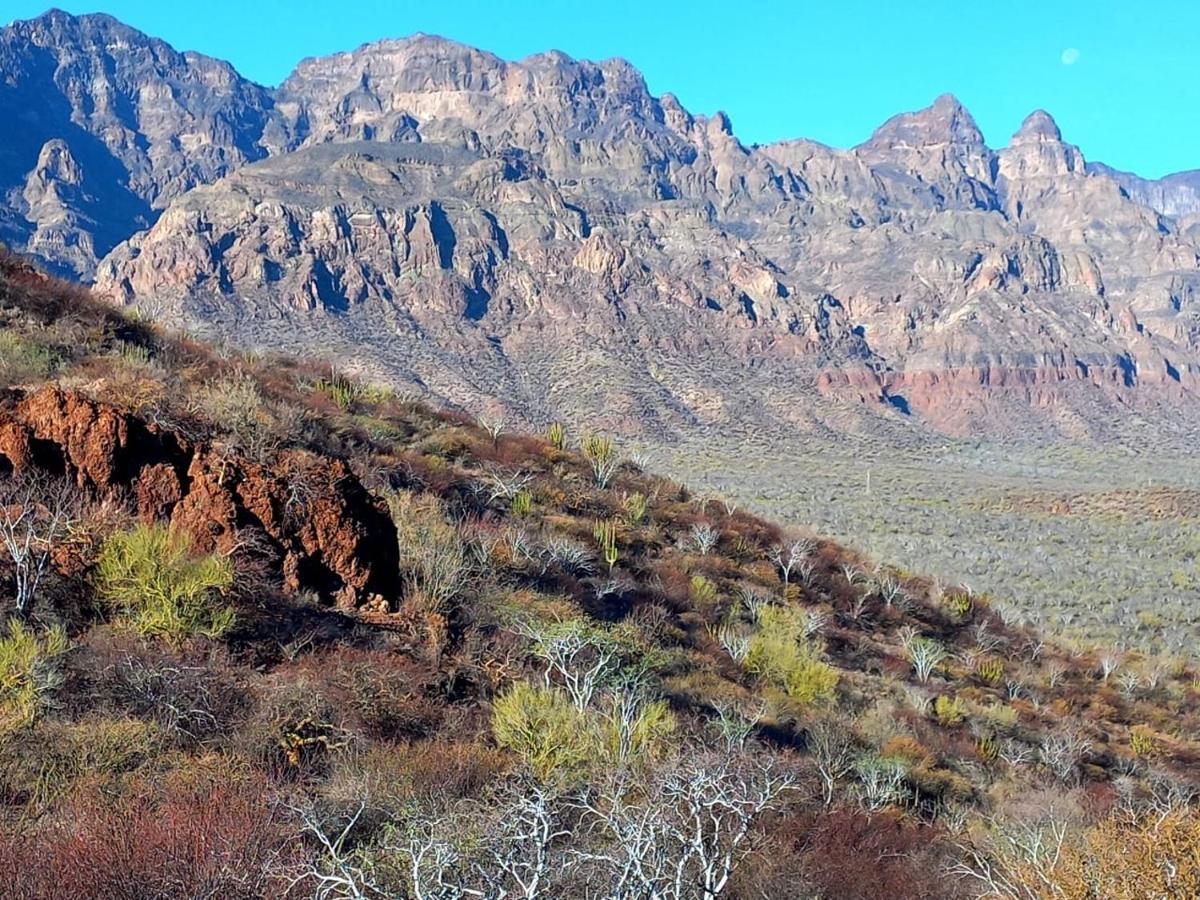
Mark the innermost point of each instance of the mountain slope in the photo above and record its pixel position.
(390, 624)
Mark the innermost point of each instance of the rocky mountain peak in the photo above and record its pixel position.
(1038, 126)
(945, 121)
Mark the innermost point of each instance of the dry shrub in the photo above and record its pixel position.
(433, 557)
(854, 856)
(192, 694)
(380, 694)
(207, 836)
(1152, 856)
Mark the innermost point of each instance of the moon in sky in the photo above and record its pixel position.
(1070, 56)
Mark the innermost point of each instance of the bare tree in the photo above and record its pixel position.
(925, 654)
(512, 850)
(704, 538)
(787, 556)
(1018, 861)
(493, 427)
(1110, 661)
(37, 512)
(734, 640)
(891, 591)
(501, 485)
(1063, 751)
(338, 872)
(881, 781)
(687, 838)
(833, 753)
(579, 657)
(735, 723)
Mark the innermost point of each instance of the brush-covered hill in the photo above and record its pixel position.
(273, 632)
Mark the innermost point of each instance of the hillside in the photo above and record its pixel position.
(474, 228)
(276, 632)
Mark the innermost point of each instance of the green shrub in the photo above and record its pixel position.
(30, 672)
(433, 559)
(522, 503)
(21, 360)
(165, 590)
(949, 711)
(959, 605)
(343, 391)
(542, 726)
(990, 671)
(702, 591)
(635, 507)
(780, 653)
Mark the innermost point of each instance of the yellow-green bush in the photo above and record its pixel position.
(543, 727)
(162, 587)
(949, 711)
(642, 734)
(29, 673)
(702, 591)
(990, 671)
(779, 652)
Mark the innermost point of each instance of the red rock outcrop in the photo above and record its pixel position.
(323, 529)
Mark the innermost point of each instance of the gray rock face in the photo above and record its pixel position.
(104, 127)
(548, 238)
(1175, 195)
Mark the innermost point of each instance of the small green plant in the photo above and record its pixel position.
(135, 355)
(948, 711)
(987, 747)
(343, 391)
(605, 533)
(959, 605)
(635, 507)
(543, 727)
(1143, 741)
(990, 671)
(601, 453)
(557, 435)
(30, 671)
(164, 589)
(522, 503)
(702, 591)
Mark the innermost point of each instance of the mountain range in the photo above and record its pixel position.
(546, 239)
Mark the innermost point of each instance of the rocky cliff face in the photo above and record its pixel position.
(546, 238)
(104, 127)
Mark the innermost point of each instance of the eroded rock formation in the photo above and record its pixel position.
(310, 514)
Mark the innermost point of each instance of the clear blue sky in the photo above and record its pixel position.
(829, 70)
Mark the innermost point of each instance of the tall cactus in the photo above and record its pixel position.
(606, 536)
